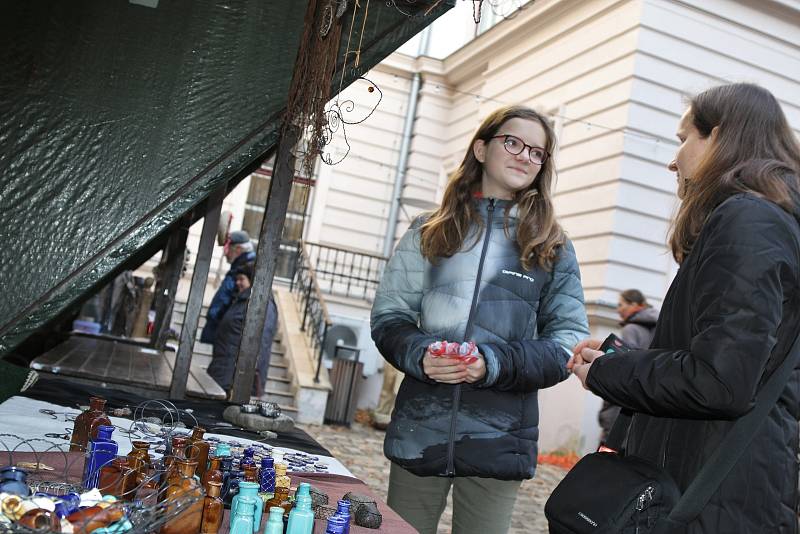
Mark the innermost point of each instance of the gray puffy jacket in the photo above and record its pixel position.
(524, 322)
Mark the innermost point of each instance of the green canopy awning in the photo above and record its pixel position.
(119, 116)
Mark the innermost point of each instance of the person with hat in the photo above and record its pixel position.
(238, 251)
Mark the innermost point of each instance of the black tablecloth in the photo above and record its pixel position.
(64, 392)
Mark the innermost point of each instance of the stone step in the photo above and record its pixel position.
(283, 385)
(281, 397)
(278, 371)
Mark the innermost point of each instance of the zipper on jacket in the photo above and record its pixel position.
(451, 443)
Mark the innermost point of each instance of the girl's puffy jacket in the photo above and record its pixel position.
(524, 321)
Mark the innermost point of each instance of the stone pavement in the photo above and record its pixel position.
(360, 449)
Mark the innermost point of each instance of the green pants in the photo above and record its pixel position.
(480, 505)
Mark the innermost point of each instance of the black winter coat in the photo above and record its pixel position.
(228, 336)
(728, 320)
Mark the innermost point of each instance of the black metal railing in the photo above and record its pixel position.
(343, 272)
(340, 272)
(311, 305)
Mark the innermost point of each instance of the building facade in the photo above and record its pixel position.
(612, 75)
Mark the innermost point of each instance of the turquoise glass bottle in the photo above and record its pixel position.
(248, 491)
(301, 518)
(275, 521)
(242, 521)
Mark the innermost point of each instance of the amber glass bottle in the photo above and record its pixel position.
(281, 498)
(110, 480)
(251, 473)
(197, 450)
(213, 509)
(213, 473)
(139, 459)
(86, 424)
(183, 487)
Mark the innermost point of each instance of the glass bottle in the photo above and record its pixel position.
(301, 518)
(197, 450)
(242, 521)
(15, 481)
(249, 490)
(110, 477)
(275, 521)
(102, 450)
(213, 509)
(266, 476)
(343, 511)
(183, 487)
(251, 473)
(139, 459)
(281, 478)
(279, 499)
(248, 457)
(85, 426)
(213, 473)
(336, 525)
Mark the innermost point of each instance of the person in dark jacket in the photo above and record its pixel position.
(638, 322)
(238, 251)
(229, 334)
(492, 266)
(729, 318)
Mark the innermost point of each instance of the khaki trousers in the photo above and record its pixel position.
(480, 505)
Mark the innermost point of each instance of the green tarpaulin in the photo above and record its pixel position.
(117, 117)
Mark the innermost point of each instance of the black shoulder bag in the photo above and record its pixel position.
(610, 493)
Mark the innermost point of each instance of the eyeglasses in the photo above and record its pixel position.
(515, 146)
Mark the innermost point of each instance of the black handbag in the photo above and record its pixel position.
(613, 493)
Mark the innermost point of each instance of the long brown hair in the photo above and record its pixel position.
(538, 232)
(754, 151)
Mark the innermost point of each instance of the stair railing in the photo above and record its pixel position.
(311, 304)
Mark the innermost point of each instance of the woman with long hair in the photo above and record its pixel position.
(729, 318)
(492, 266)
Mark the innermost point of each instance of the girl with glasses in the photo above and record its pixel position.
(491, 265)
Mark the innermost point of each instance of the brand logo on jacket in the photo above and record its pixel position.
(587, 519)
(519, 275)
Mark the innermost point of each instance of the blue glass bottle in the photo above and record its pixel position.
(242, 522)
(249, 491)
(14, 480)
(343, 511)
(102, 450)
(266, 476)
(247, 459)
(336, 525)
(301, 518)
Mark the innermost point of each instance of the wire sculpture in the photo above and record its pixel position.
(341, 113)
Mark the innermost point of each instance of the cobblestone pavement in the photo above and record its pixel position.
(360, 449)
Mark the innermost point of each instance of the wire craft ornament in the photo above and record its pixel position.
(341, 113)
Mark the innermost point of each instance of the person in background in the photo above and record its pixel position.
(238, 251)
(229, 334)
(638, 322)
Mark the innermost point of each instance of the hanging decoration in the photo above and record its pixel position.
(310, 88)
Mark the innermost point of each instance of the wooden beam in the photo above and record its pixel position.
(269, 239)
(170, 268)
(194, 304)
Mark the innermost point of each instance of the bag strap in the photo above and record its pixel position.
(730, 449)
(735, 442)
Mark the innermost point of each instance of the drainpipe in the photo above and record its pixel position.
(405, 147)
